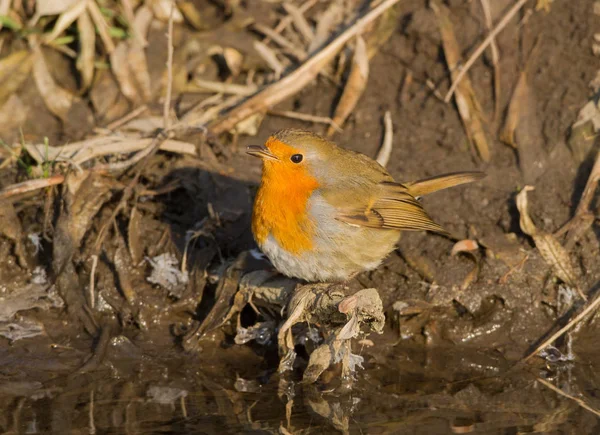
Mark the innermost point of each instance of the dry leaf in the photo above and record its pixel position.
(128, 62)
(355, 85)
(550, 249)
(4, 8)
(234, 60)
(250, 125)
(466, 101)
(12, 115)
(87, 51)
(101, 26)
(56, 99)
(65, 19)
(507, 135)
(54, 7)
(383, 156)
(465, 245)
(326, 23)
(191, 14)
(14, 70)
(523, 130)
(134, 236)
(162, 10)
(269, 57)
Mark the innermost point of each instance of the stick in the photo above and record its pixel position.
(287, 20)
(93, 282)
(305, 117)
(591, 307)
(167, 105)
(125, 119)
(30, 185)
(299, 21)
(201, 85)
(80, 152)
(487, 13)
(383, 157)
(487, 41)
(557, 390)
(295, 81)
(583, 208)
(280, 40)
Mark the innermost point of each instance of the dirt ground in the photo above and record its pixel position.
(155, 357)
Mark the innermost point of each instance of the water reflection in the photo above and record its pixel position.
(400, 391)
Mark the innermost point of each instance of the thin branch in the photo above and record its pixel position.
(557, 390)
(487, 41)
(305, 117)
(295, 81)
(167, 104)
(30, 185)
(591, 307)
(383, 157)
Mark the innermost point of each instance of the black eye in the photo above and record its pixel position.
(296, 158)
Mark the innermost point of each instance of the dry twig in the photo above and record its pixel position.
(167, 103)
(30, 185)
(487, 41)
(587, 310)
(487, 13)
(355, 84)
(577, 400)
(383, 157)
(468, 106)
(305, 117)
(295, 81)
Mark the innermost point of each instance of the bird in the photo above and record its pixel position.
(323, 213)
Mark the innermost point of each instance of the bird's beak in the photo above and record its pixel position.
(261, 152)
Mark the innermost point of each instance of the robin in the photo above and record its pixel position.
(323, 213)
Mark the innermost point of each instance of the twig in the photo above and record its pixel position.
(583, 208)
(280, 40)
(590, 307)
(383, 157)
(201, 85)
(487, 13)
(299, 21)
(130, 17)
(296, 80)
(93, 282)
(269, 57)
(129, 189)
(125, 119)
(557, 390)
(30, 185)
(167, 104)
(408, 78)
(287, 20)
(305, 117)
(80, 152)
(101, 26)
(487, 41)
(504, 278)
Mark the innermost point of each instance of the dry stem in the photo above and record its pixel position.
(557, 390)
(295, 81)
(30, 185)
(167, 104)
(487, 41)
(590, 307)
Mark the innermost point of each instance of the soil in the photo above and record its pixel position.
(448, 366)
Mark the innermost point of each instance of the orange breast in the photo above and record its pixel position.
(280, 208)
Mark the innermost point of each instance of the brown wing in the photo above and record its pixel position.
(392, 208)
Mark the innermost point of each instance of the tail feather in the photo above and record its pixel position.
(440, 182)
